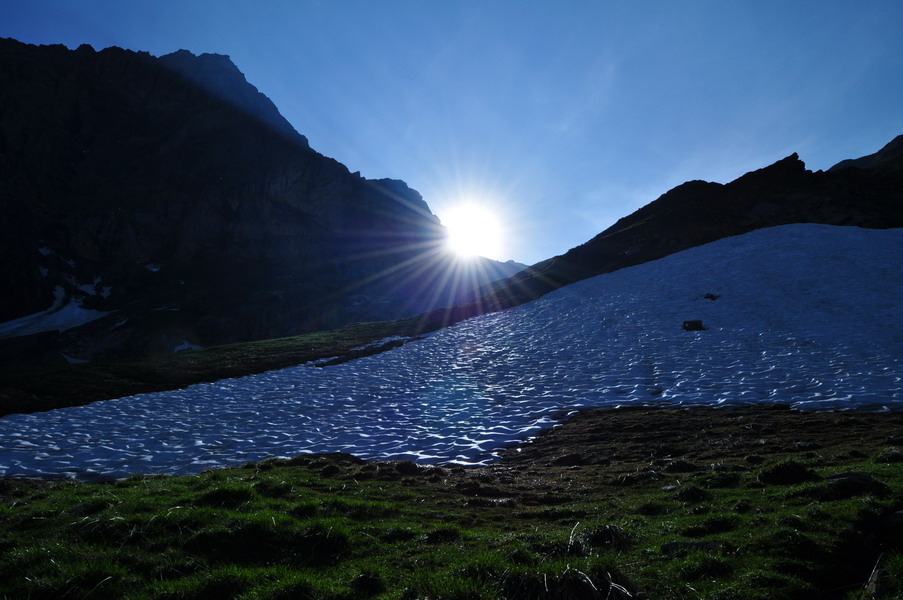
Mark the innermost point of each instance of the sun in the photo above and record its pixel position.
(473, 230)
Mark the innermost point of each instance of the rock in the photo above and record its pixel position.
(693, 326)
(712, 296)
(787, 473)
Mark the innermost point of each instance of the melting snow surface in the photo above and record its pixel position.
(807, 315)
(59, 317)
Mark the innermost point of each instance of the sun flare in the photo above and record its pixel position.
(473, 230)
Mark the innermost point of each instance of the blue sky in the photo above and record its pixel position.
(561, 116)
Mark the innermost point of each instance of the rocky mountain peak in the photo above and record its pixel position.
(217, 74)
(151, 204)
(779, 172)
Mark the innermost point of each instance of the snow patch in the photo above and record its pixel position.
(153, 267)
(186, 345)
(61, 316)
(806, 315)
(90, 288)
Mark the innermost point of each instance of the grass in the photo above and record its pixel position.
(334, 527)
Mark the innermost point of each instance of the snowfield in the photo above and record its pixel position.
(808, 315)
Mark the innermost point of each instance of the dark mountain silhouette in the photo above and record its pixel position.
(866, 192)
(148, 204)
(888, 160)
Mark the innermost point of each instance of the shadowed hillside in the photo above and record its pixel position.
(152, 204)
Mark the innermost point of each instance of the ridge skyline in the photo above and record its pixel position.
(180, 161)
(565, 118)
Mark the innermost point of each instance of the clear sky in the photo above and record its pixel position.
(561, 116)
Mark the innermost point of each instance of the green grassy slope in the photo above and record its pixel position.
(333, 527)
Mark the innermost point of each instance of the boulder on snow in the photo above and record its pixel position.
(693, 326)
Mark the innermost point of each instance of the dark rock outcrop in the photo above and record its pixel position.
(171, 197)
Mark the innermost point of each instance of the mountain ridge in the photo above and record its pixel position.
(889, 158)
(698, 212)
(172, 196)
(169, 198)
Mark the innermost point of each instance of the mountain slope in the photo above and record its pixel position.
(699, 212)
(791, 317)
(169, 199)
(889, 158)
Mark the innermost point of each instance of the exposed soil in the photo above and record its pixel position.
(603, 451)
(624, 438)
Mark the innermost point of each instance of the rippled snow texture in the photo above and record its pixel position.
(807, 315)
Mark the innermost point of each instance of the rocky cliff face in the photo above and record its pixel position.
(148, 204)
(865, 192)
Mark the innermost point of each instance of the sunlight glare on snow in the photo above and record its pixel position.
(804, 315)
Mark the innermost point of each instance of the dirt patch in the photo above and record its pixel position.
(622, 447)
(697, 435)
